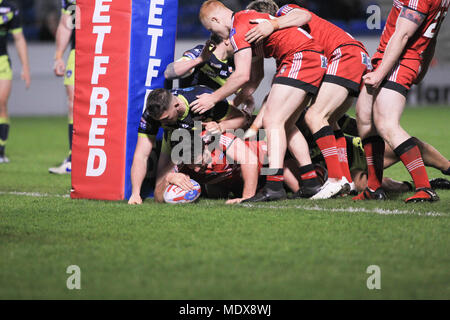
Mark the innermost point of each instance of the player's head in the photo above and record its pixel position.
(223, 45)
(162, 106)
(265, 6)
(216, 17)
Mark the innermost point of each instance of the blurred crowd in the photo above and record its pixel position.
(40, 17)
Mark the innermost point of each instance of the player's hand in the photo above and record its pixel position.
(235, 201)
(207, 51)
(26, 77)
(59, 67)
(180, 179)
(373, 79)
(135, 199)
(212, 127)
(203, 103)
(260, 32)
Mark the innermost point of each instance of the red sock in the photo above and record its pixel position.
(374, 149)
(341, 144)
(410, 155)
(327, 144)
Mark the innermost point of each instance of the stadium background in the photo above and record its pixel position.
(40, 19)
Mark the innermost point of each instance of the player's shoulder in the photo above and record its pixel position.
(247, 15)
(7, 7)
(192, 91)
(194, 52)
(286, 9)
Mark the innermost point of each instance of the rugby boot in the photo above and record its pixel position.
(266, 194)
(367, 194)
(423, 195)
(64, 168)
(440, 183)
(305, 192)
(332, 189)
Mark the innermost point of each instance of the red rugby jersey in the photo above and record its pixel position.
(435, 10)
(327, 34)
(279, 45)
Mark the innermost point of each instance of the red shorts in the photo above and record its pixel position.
(303, 70)
(402, 76)
(346, 67)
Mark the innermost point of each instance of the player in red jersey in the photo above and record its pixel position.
(300, 69)
(223, 164)
(406, 49)
(348, 61)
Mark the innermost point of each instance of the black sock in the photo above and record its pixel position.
(446, 172)
(275, 180)
(70, 133)
(309, 177)
(4, 130)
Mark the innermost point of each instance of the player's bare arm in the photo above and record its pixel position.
(407, 24)
(21, 45)
(241, 75)
(185, 66)
(167, 176)
(139, 167)
(63, 34)
(248, 161)
(295, 18)
(235, 119)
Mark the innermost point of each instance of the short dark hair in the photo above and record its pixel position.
(158, 101)
(215, 38)
(265, 6)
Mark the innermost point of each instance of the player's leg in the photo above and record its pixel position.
(298, 147)
(388, 108)
(341, 142)
(5, 91)
(274, 121)
(373, 146)
(331, 96)
(69, 82)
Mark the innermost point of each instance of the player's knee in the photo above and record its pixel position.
(311, 117)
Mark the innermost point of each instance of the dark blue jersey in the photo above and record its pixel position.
(212, 74)
(9, 23)
(149, 126)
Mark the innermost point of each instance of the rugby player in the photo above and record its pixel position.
(171, 110)
(209, 64)
(65, 34)
(301, 67)
(230, 167)
(403, 56)
(10, 23)
(348, 61)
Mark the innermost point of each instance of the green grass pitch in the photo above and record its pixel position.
(287, 250)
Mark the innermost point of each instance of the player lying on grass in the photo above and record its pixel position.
(348, 61)
(403, 56)
(300, 68)
(223, 164)
(171, 110)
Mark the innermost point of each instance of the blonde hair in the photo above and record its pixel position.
(208, 7)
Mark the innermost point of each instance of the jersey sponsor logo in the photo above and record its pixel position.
(232, 32)
(5, 10)
(324, 62)
(366, 61)
(215, 65)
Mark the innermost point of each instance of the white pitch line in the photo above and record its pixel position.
(35, 194)
(351, 209)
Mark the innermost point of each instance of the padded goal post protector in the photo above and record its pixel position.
(122, 50)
